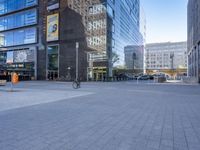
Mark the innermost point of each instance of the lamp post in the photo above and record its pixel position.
(69, 73)
(77, 47)
(134, 58)
(172, 62)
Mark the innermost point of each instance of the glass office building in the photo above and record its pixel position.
(111, 25)
(18, 36)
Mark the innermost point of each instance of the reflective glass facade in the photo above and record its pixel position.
(18, 29)
(18, 37)
(7, 6)
(17, 20)
(123, 26)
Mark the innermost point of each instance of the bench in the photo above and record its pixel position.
(3, 82)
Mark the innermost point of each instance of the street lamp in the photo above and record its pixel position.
(77, 46)
(172, 62)
(134, 58)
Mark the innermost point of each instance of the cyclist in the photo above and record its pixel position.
(76, 84)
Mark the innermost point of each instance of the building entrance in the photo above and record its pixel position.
(52, 63)
(99, 74)
(52, 75)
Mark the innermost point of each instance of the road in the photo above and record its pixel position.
(100, 116)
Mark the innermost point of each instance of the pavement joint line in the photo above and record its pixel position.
(158, 92)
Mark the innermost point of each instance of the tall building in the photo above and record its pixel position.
(134, 56)
(194, 39)
(38, 40)
(143, 32)
(111, 25)
(18, 37)
(166, 56)
(38, 37)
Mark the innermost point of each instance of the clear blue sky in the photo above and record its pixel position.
(166, 20)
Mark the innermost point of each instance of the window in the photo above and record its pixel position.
(18, 37)
(7, 6)
(18, 20)
(2, 57)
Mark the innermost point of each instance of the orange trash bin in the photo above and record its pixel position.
(15, 78)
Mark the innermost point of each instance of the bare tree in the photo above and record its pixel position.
(115, 58)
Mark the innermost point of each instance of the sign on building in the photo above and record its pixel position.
(52, 4)
(52, 27)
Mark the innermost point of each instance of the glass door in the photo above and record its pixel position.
(52, 63)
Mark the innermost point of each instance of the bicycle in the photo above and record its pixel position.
(62, 78)
(76, 84)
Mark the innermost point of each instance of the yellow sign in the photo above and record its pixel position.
(52, 27)
(15, 78)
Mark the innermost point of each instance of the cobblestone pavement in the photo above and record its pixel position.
(108, 116)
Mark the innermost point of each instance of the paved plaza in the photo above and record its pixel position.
(44, 115)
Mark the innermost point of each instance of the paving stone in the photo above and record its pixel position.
(100, 116)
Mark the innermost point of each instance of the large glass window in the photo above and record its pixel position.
(2, 57)
(7, 6)
(18, 20)
(18, 37)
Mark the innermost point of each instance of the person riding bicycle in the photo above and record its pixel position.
(76, 83)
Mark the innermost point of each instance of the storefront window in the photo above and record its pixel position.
(2, 57)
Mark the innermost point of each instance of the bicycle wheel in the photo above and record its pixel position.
(79, 84)
(75, 85)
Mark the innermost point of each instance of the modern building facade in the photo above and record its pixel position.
(134, 54)
(38, 37)
(18, 26)
(166, 56)
(38, 40)
(194, 39)
(111, 25)
(134, 58)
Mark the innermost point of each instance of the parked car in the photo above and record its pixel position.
(143, 77)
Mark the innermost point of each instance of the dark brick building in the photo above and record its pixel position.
(43, 44)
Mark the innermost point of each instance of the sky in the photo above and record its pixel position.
(166, 20)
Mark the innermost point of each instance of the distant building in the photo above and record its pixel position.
(134, 57)
(193, 39)
(166, 56)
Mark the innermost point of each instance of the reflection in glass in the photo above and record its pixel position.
(53, 58)
(7, 6)
(18, 20)
(18, 37)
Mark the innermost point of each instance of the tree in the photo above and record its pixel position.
(115, 57)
